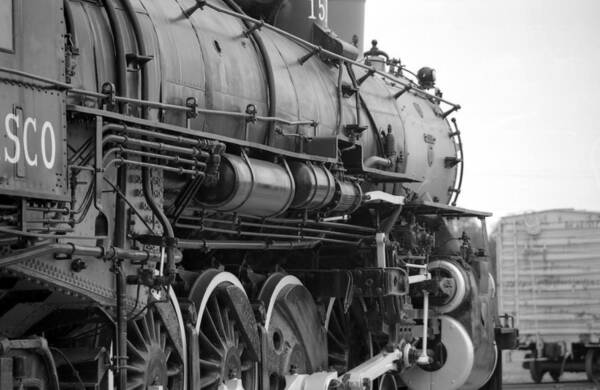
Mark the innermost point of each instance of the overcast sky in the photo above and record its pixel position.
(527, 74)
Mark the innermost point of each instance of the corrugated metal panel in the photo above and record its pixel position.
(549, 273)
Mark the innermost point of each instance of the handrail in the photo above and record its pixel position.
(319, 49)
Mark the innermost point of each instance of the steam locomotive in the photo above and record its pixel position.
(223, 194)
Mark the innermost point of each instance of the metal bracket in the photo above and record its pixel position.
(450, 111)
(402, 91)
(308, 56)
(369, 73)
(256, 26)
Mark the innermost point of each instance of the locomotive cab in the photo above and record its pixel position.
(33, 152)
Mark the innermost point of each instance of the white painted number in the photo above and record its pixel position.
(323, 10)
(47, 141)
(320, 10)
(312, 9)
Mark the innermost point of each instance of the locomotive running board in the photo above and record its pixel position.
(424, 207)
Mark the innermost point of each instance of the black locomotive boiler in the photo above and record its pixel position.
(225, 195)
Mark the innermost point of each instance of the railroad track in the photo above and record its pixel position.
(574, 385)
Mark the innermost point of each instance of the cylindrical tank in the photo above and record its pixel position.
(315, 186)
(250, 186)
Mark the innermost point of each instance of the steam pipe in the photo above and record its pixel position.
(121, 64)
(276, 235)
(146, 165)
(300, 221)
(247, 245)
(175, 159)
(121, 325)
(164, 221)
(374, 161)
(146, 174)
(167, 137)
(120, 232)
(121, 139)
(70, 249)
(276, 227)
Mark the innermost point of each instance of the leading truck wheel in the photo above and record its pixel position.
(592, 365)
(227, 333)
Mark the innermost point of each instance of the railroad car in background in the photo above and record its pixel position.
(549, 280)
(225, 194)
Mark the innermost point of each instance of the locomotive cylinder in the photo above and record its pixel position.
(315, 186)
(251, 187)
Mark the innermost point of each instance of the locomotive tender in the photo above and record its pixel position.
(220, 195)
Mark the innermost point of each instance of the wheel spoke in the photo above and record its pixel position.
(227, 323)
(210, 323)
(217, 316)
(241, 347)
(135, 330)
(138, 384)
(210, 364)
(146, 330)
(337, 357)
(135, 351)
(336, 323)
(209, 380)
(206, 343)
(163, 340)
(335, 340)
(151, 325)
(168, 351)
(135, 370)
(173, 371)
(236, 339)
